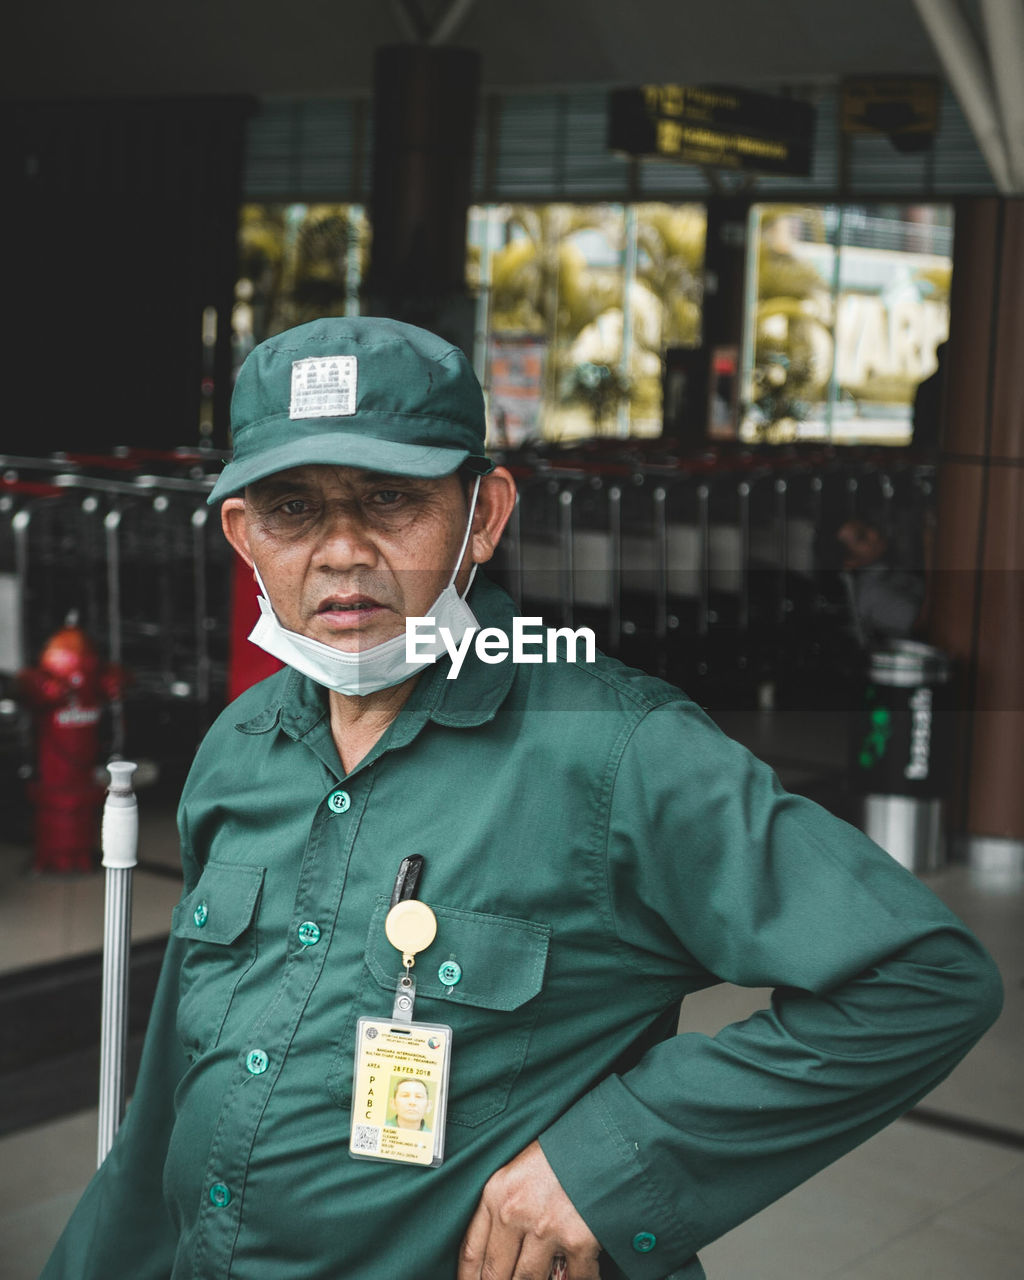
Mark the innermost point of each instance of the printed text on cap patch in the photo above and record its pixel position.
(323, 387)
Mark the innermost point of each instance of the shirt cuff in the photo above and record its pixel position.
(625, 1203)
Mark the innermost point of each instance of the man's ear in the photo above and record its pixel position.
(236, 530)
(494, 505)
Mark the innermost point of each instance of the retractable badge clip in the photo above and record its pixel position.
(410, 927)
(400, 1072)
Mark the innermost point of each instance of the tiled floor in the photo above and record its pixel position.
(51, 916)
(917, 1202)
(911, 1204)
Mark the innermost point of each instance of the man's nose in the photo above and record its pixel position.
(345, 540)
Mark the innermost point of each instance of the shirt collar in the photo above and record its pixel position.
(297, 704)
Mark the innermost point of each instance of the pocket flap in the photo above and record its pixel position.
(221, 905)
(500, 959)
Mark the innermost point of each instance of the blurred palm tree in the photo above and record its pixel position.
(541, 282)
(296, 259)
(670, 261)
(600, 388)
(792, 322)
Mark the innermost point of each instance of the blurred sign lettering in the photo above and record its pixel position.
(905, 108)
(711, 125)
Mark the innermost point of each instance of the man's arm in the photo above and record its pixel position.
(880, 991)
(120, 1227)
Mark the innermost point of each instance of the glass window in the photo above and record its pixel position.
(846, 305)
(297, 262)
(576, 304)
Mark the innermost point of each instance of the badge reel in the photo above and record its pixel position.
(400, 1082)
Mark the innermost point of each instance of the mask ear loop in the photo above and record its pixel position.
(465, 544)
(263, 590)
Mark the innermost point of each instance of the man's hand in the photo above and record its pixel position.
(523, 1221)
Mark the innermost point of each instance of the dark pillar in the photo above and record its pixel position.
(977, 612)
(701, 385)
(425, 102)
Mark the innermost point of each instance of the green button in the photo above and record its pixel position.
(338, 801)
(449, 973)
(220, 1195)
(257, 1062)
(201, 915)
(644, 1242)
(309, 933)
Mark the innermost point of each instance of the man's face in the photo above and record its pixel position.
(347, 555)
(410, 1102)
(862, 543)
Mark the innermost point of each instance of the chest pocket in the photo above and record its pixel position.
(492, 1005)
(216, 920)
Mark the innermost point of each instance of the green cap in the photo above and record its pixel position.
(355, 391)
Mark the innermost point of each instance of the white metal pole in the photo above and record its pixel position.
(120, 849)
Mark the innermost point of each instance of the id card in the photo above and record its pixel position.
(400, 1091)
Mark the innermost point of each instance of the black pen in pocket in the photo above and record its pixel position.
(408, 879)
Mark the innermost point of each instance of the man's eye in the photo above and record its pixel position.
(294, 507)
(387, 497)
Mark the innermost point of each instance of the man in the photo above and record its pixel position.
(885, 600)
(410, 1102)
(594, 850)
(926, 416)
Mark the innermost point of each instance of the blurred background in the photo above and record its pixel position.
(744, 286)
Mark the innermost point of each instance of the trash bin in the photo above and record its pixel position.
(903, 752)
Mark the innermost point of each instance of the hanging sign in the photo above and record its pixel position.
(715, 126)
(905, 108)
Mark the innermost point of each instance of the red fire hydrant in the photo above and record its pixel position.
(67, 690)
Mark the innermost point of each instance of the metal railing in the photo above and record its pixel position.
(716, 572)
(131, 552)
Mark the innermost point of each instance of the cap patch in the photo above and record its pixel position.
(323, 387)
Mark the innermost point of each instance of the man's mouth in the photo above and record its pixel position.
(351, 604)
(347, 612)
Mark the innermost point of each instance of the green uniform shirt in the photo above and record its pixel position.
(595, 849)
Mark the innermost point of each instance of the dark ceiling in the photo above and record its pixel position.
(311, 48)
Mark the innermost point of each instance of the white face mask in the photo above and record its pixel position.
(384, 664)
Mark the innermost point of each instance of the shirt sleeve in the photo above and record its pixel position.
(878, 992)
